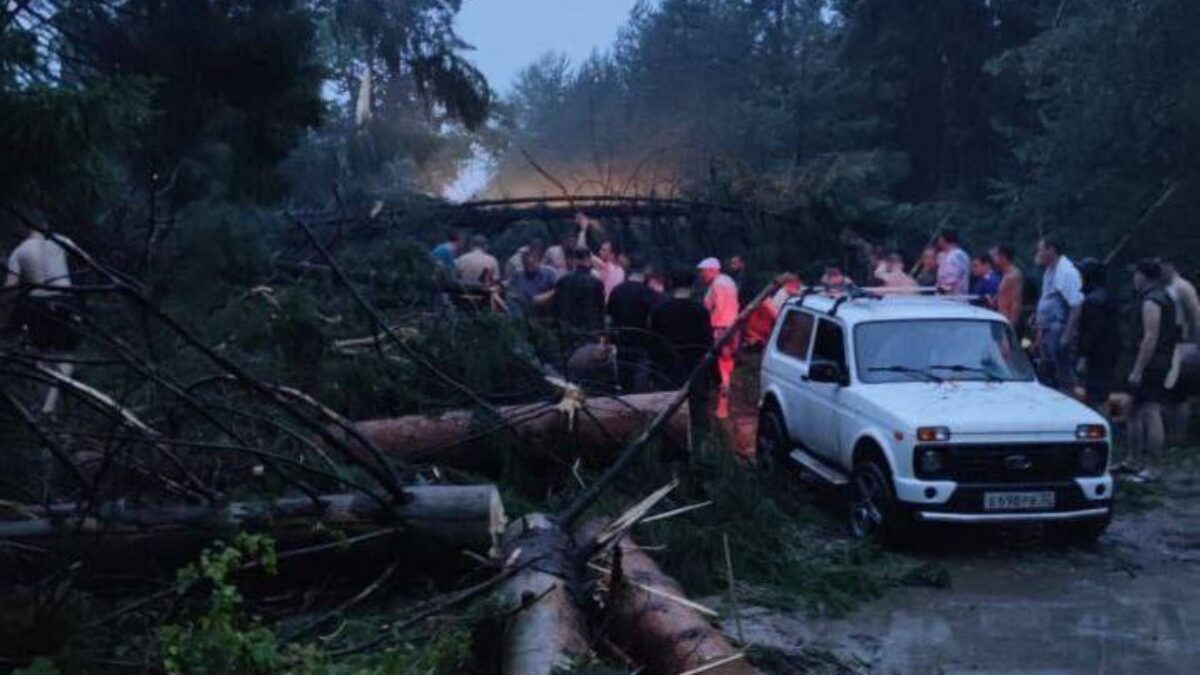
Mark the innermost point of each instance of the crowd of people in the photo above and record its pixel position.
(637, 328)
(633, 327)
(642, 329)
(1074, 332)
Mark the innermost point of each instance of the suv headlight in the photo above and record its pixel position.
(933, 434)
(1091, 432)
(1092, 459)
(930, 462)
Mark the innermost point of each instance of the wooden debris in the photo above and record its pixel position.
(113, 537)
(548, 632)
(651, 619)
(542, 431)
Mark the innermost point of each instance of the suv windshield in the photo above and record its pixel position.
(950, 349)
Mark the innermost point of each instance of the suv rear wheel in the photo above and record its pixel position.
(771, 442)
(874, 513)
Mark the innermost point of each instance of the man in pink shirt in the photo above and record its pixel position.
(606, 266)
(721, 301)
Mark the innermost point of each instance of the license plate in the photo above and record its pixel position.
(1018, 501)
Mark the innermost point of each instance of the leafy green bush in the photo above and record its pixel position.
(788, 550)
(220, 639)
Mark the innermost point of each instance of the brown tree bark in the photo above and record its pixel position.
(435, 521)
(666, 635)
(543, 432)
(548, 632)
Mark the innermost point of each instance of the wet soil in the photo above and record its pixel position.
(1020, 602)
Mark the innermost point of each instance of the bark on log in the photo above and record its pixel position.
(663, 634)
(542, 432)
(113, 538)
(549, 631)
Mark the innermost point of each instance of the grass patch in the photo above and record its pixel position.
(787, 553)
(1132, 497)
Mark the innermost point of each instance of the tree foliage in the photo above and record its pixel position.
(893, 116)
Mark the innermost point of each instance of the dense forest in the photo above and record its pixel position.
(1004, 118)
(254, 186)
(1007, 117)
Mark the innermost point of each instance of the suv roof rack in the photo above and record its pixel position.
(851, 292)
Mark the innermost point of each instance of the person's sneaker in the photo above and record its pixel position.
(1147, 476)
(1124, 467)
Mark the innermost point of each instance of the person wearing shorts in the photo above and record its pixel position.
(1156, 333)
(47, 313)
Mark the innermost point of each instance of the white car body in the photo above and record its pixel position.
(1006, 439)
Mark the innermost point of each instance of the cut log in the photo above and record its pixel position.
(548, 632)
(116, 539)
(542, 430)
(652, 620)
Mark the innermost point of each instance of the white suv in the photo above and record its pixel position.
(927, 409)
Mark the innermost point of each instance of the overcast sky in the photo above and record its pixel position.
(510, 34)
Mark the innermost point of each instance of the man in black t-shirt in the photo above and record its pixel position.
(682, 336)
(629, 307)
(1099, 340)
(578, 302)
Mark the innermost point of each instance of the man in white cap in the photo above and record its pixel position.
(721, 301)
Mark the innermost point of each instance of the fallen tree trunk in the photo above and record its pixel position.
(114, 539)
(542, 430)
(652, 620)
(548, 632)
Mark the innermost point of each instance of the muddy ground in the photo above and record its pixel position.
(1019, 603)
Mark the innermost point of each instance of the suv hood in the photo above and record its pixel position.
(980, 407)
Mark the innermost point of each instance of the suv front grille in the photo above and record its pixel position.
(1015, 463)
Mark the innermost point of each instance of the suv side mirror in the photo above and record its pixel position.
(827, 372)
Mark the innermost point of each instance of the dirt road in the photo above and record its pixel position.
(1019, 604)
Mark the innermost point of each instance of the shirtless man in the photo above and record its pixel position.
(46, 311)
(1178, 408)
(1009, 298)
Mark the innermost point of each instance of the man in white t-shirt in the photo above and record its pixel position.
(477, 266)
(721, 301)
(46, 313)
(1058, 310)
(954, 265)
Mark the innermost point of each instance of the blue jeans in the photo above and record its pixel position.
(1056, 363)
(634, 369)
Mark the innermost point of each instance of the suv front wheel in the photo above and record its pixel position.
(771, 442)
(874, 513)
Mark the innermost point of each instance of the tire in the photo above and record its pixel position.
(771, 442)
(873, 513)
(1081, 532)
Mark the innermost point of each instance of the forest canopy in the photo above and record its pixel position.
(890, 116)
